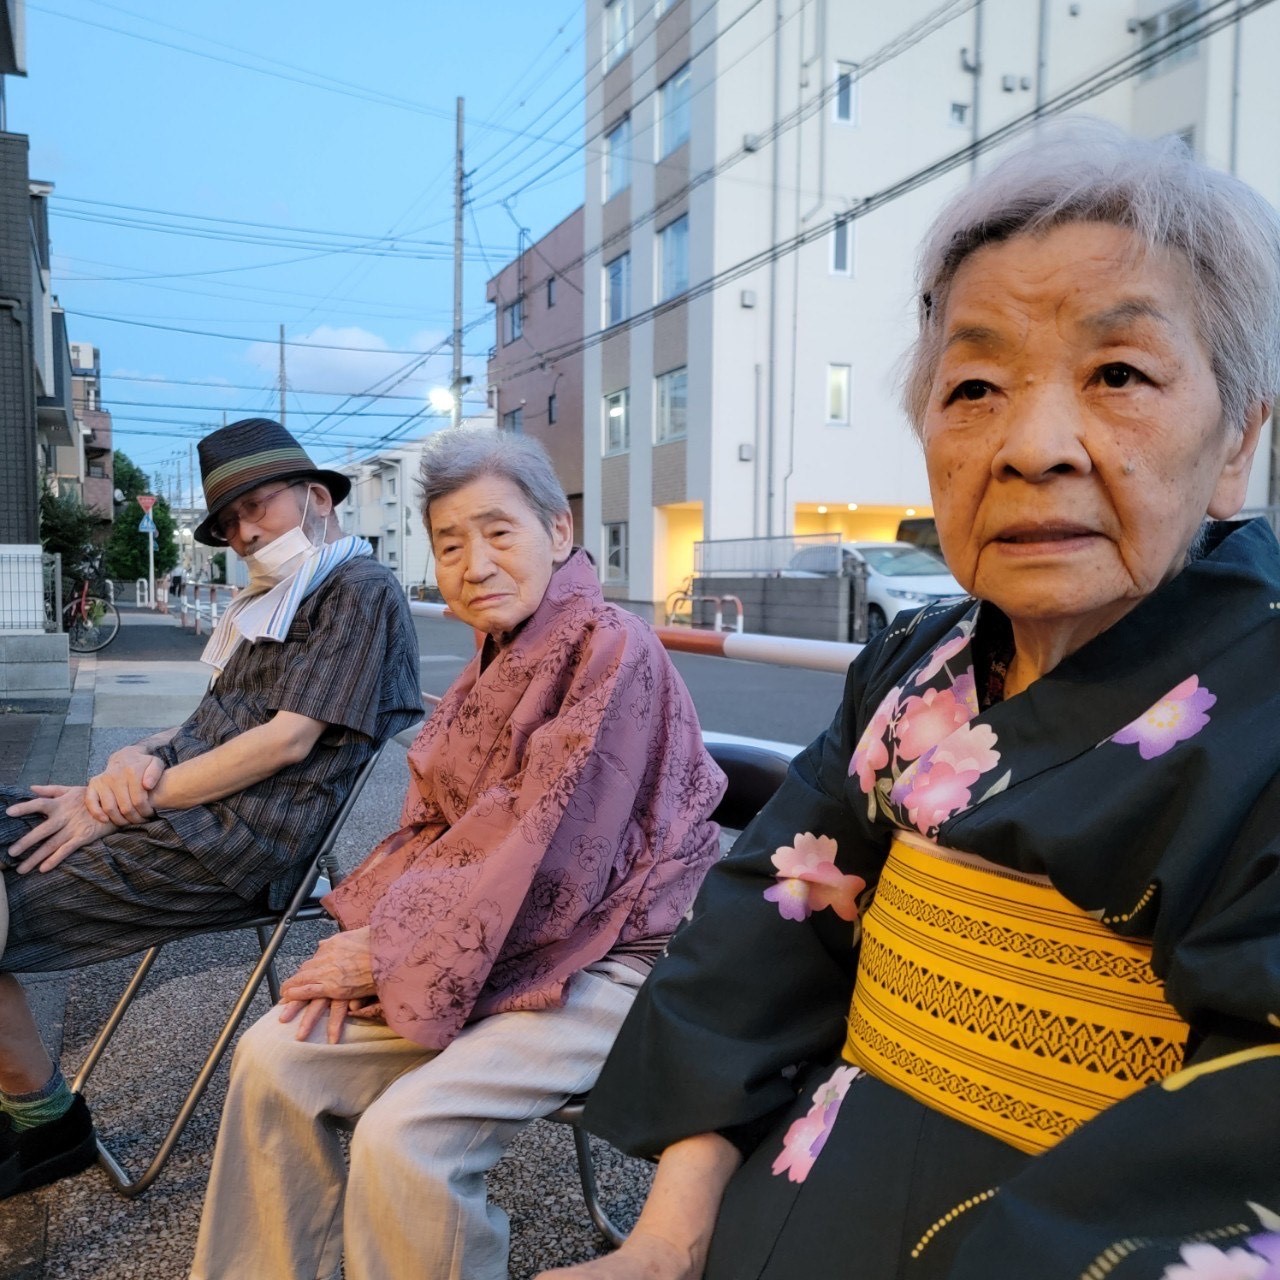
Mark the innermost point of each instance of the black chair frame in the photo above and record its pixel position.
(755, 771)
(272, 928)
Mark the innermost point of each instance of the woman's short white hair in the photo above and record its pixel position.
(1085, 170)
(453, 458)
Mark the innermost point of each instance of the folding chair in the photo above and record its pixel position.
(271, 927)
(755, 770)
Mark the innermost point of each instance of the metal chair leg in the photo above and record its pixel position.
(114, 1170)
(590, 1192)
(117, 1016)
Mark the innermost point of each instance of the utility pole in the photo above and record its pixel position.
(459, 181)
(282, 381)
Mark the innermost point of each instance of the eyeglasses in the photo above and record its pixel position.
(251, 509)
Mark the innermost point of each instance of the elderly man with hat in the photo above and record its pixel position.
(315, 665)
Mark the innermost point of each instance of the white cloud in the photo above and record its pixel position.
(361, 360)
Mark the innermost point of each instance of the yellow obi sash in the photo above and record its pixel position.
(986, 995)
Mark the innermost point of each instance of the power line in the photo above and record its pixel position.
(940, 16)
(1114, 73)
(305, 77)
(235, 337)
(605, 114)
(214, 385)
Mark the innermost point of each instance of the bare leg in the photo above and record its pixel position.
(24, 1064)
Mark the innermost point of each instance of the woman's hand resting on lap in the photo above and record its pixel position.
(642, 1257)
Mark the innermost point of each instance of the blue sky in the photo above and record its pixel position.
(167, 128)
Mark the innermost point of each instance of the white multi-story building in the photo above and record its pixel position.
(758, 178)
(383, 507)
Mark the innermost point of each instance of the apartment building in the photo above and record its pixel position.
(758, 178)
(383, 507)
(537, 300)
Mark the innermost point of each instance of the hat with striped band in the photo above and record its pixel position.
(248, 453)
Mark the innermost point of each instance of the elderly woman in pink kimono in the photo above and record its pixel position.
(554, 832)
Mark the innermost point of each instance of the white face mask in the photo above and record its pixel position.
(282, 557)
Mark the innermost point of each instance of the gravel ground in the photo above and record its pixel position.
(95, 1233)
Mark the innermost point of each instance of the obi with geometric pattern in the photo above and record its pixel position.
(986, 995)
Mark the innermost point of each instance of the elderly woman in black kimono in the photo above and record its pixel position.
(991, 989)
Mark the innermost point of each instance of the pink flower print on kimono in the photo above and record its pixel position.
(1179, 715)
(808, 880)
(941, 782)
(921, 760)
(807, 1136)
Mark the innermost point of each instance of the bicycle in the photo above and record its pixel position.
(90, 621)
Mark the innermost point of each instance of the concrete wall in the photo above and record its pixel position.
(807, 608)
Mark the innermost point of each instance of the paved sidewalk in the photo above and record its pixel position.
(148, 678)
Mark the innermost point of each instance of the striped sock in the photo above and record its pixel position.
(26, 1110)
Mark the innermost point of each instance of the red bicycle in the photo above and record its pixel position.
(90, 621)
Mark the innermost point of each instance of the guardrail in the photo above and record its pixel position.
(778, 651)
(685, 597)
(202, 614)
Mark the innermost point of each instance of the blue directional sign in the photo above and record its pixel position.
(147, 524)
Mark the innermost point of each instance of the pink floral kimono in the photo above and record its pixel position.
(557, 812)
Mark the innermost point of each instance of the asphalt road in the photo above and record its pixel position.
(755, 699)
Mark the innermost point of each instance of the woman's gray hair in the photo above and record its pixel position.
(1090, 171)
(453, 458)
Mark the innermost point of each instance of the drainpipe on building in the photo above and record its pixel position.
(1042, 55)
(771, 414)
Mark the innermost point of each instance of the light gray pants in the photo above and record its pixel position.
(282, 1204)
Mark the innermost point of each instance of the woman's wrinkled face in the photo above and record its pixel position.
(1074, 435)
(494, 557)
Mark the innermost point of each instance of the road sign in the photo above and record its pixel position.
(146, 501)
(147, 524)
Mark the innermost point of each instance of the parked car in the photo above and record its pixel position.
(899, 575)
(922, 531)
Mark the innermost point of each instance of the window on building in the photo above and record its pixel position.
(391, 486)
(838, 377)
(617, 30)
(617, 158)
(673, 125)
(615, 552)
(842, 247)
(552, 409)
(617, 290)
(512, 321)
(674, 258)
(551, 292)
(1164, 35)
(514, 421)
(617, 421)
(672, 402)
(845, 103)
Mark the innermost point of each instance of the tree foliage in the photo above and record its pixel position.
(69, 529)
(127, 546)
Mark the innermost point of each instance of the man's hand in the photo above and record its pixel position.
(120, 794)
(340, 971)
(68, 826)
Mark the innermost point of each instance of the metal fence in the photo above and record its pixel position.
(748, 557)
(51, 563)
(30, 590)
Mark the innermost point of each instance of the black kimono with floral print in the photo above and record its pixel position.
(1142, 776)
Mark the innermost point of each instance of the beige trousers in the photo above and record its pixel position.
(283, 1205)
